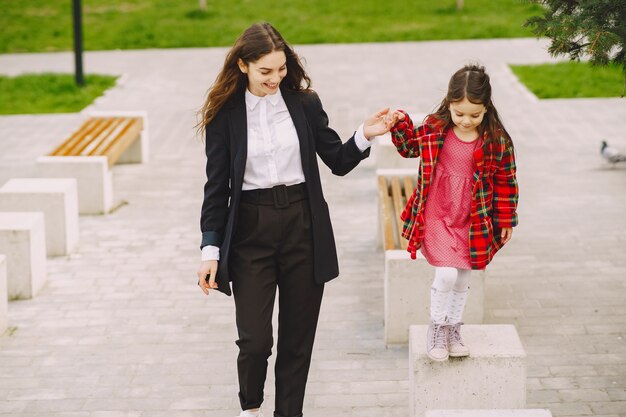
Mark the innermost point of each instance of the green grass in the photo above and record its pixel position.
(46, 25)
(49, 93)
(571, 80)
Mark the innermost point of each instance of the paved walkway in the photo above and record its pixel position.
(121, 329)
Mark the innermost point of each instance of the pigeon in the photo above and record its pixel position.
(612, 155)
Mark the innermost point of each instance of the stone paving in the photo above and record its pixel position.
(121, 329)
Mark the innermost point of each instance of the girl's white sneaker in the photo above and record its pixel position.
(456, 346)
(437, 342)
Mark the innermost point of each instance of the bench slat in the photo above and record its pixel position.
(409, 186)
(105, 134)
(387, 213)
(125, 135)
(66, 148)
(398, 206)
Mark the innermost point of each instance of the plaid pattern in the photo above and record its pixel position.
(495, 196)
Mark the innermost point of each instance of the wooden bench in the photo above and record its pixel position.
(91, 150)
(407, 282)
(395, 186)
(102, 136)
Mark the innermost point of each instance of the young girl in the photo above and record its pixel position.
(264, 216)
(464, 206)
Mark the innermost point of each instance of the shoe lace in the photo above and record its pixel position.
(455, 334)
(439, 336)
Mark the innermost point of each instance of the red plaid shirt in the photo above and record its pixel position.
(495, 195)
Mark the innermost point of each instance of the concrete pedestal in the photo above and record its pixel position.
(407, 295)
(56, 198)
(492, 377)
(93, 177)
(23, 241)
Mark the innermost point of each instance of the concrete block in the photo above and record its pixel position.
(490, 413)
(57, 198)
(4, 313)
(492, 377)
(93, 177)
(407, 295)
(139, 151)
(23, 241)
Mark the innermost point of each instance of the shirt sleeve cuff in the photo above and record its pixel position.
(210, 253)
(360, 140)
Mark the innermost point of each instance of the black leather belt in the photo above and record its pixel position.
(279, 196)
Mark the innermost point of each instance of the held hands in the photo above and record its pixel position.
(394, 117)
(206, 276)
(381, 123)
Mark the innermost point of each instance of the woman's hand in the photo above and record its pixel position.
(208, 269)
(375, 125)
(506, 234)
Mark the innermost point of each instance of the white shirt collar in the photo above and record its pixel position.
(252, 100)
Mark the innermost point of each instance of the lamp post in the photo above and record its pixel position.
(78, 43)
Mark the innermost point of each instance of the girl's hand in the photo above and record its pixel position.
(208, 269)
(506, 234)
(391, 119)
(375, 125)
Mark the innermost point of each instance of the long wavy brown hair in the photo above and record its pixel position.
(472, 82)
(255, 42)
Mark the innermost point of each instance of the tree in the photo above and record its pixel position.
(202, 5)
(584, 28)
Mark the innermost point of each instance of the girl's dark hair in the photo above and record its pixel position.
(255, 42)
(472, 82)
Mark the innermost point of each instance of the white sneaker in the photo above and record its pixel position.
(437, 342)
(246, 413)
(456, 346)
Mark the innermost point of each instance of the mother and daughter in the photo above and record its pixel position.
(266, 224)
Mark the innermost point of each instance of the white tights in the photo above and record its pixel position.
(448, 294)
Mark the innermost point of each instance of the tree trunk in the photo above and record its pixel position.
(459, 4)
(202, 4)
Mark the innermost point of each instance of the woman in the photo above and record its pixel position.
(264, 216)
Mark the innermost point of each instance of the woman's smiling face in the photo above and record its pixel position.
(265, 74)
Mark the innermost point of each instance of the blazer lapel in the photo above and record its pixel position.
(294, 105)
(239, 139)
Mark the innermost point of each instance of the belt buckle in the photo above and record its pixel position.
(281, 198)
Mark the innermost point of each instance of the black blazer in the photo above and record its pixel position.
(226, 151)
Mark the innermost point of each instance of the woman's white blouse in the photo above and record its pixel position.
(273, 149)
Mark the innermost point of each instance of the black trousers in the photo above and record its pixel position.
(273, 248)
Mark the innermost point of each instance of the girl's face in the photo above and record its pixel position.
(265, 74)
(466, 115)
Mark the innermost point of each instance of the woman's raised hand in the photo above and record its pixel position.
(375, 125)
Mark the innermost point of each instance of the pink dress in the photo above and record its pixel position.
(447, 211)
